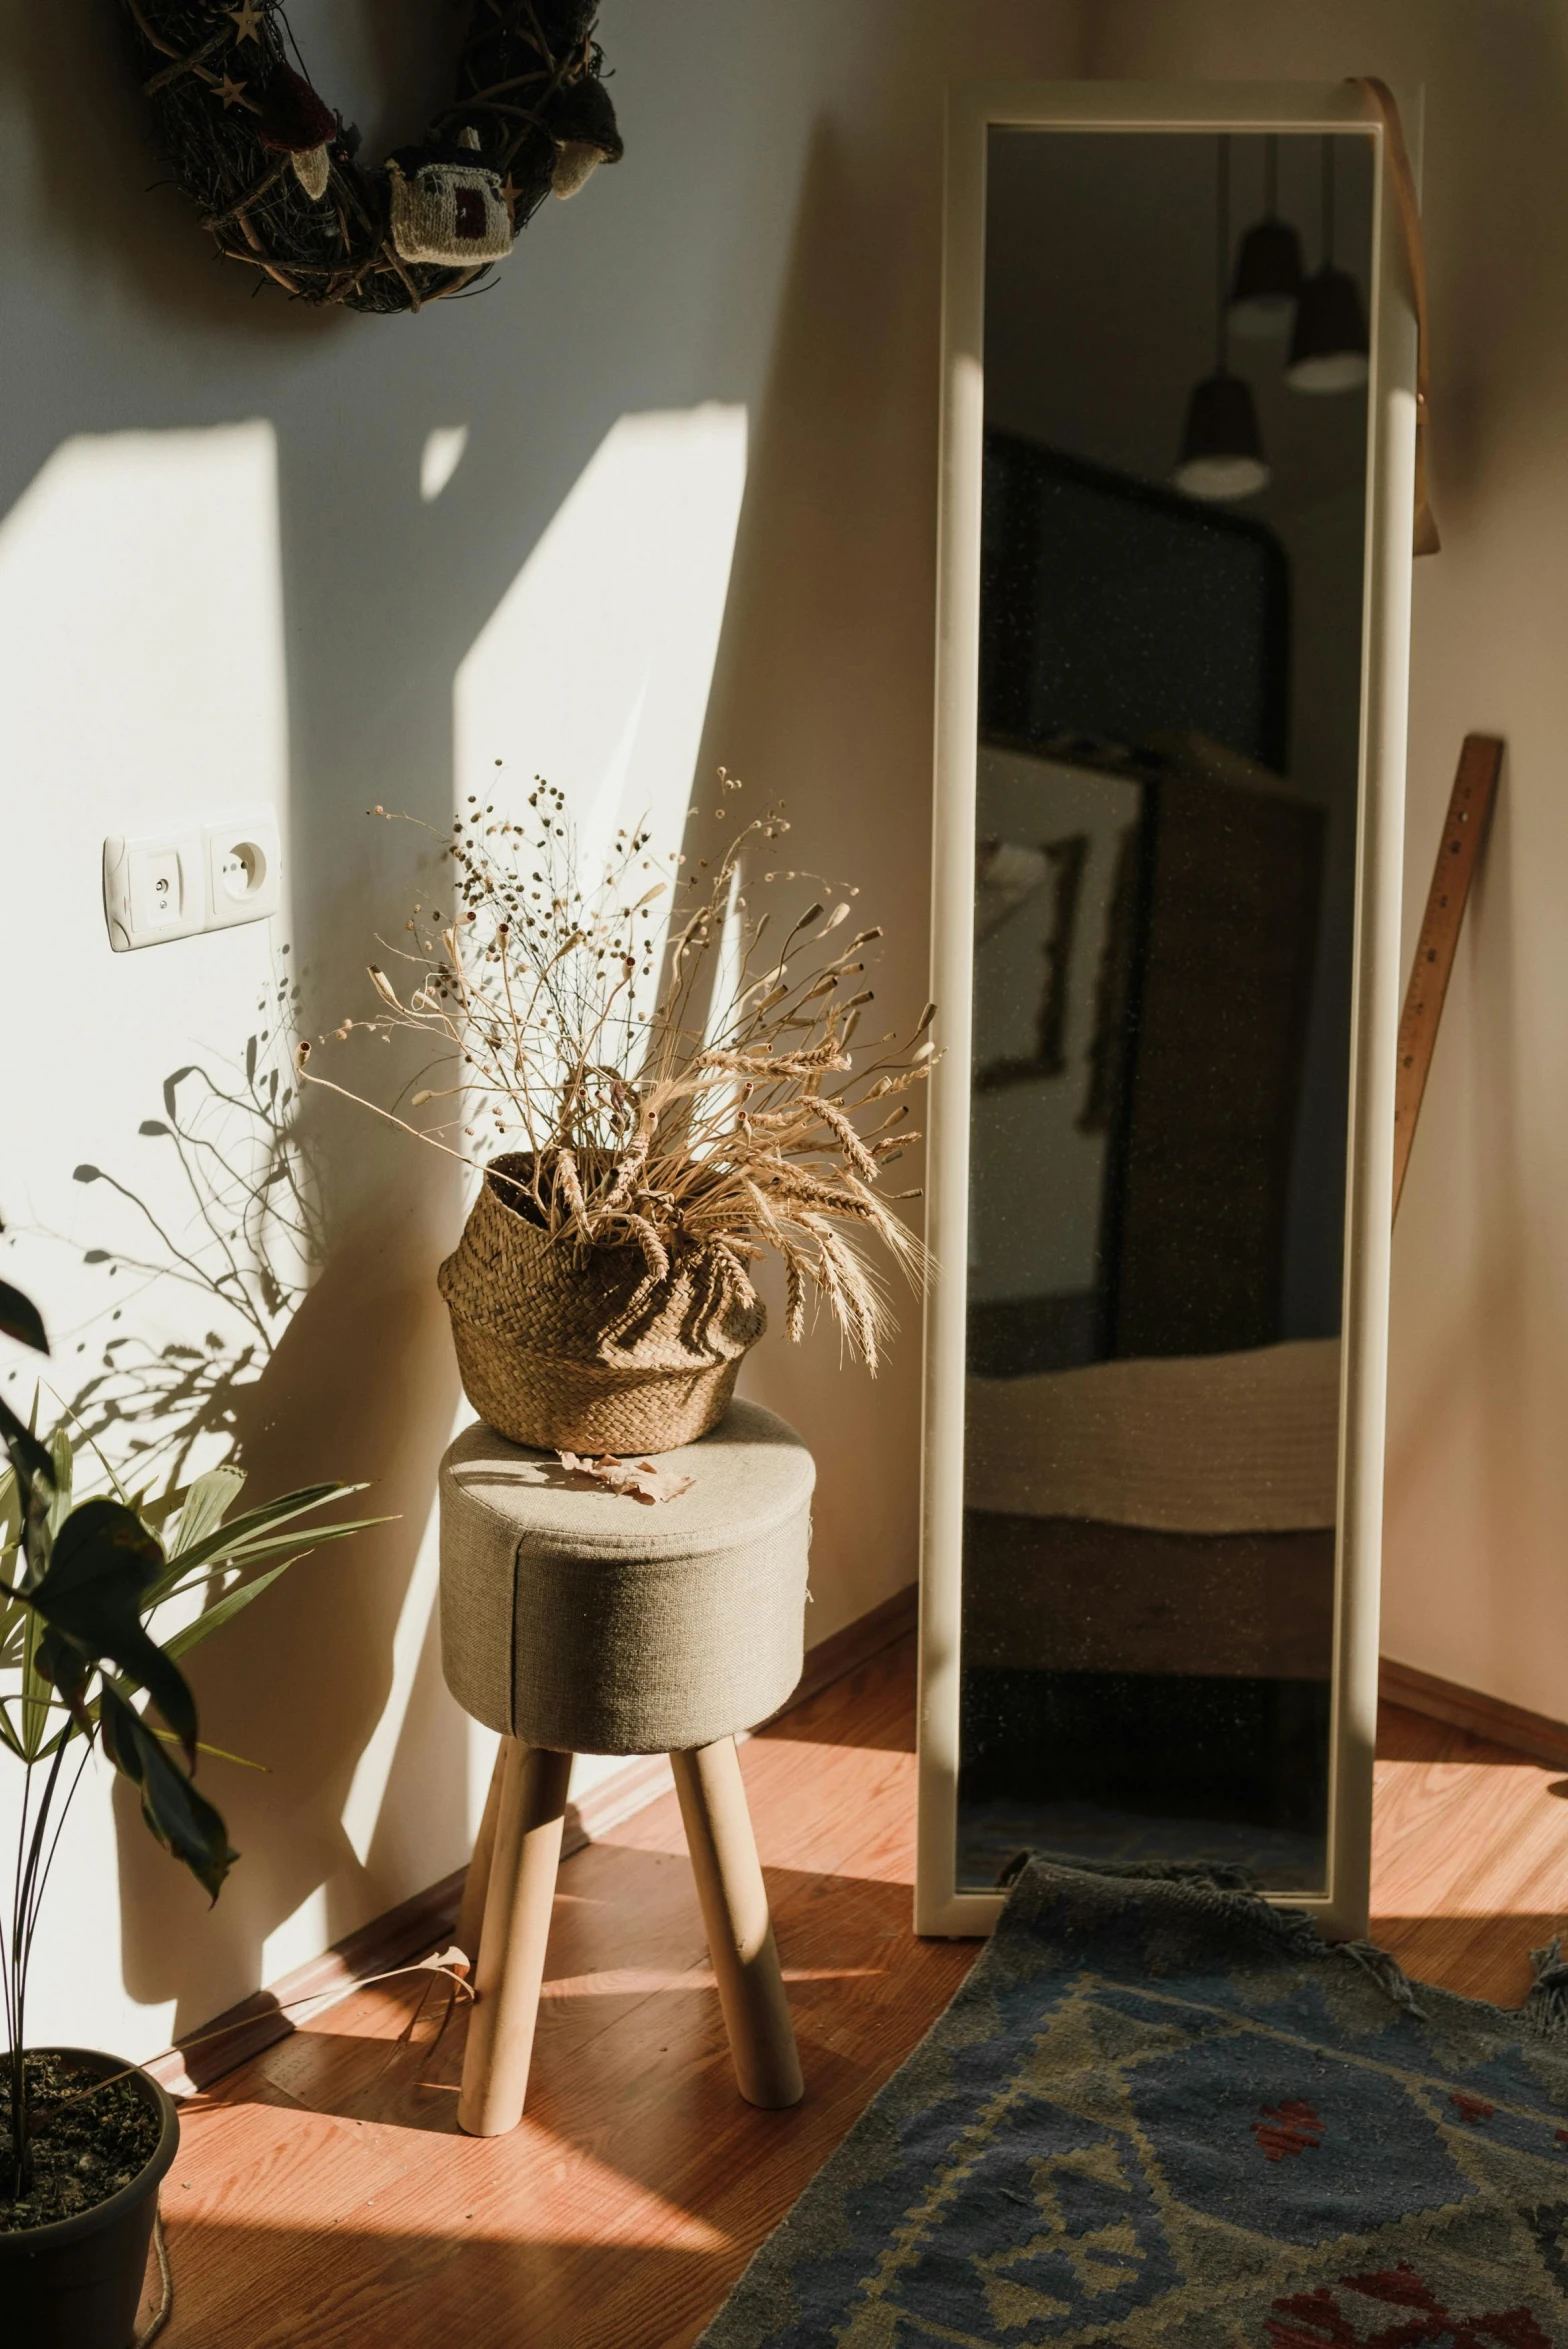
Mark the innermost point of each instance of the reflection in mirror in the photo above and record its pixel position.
(1173, 549)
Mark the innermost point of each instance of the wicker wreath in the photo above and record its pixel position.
(276, 171)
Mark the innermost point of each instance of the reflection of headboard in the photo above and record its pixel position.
(1079, 562)
(1212, 1443)
(1155, 1516)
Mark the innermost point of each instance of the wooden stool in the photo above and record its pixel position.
(576, 1620)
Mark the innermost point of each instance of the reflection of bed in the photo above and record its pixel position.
(1156, 1516)
(1069, 1595)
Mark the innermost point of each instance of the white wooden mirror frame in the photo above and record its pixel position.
(1342, 1909)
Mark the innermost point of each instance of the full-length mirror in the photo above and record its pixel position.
(1138, 1519)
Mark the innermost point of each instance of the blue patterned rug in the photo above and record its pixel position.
(1160, 2115)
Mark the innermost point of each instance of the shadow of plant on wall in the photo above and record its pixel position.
(251, 1239)
(238, 1308)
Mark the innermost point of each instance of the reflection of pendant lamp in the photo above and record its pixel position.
(1221, 448)
(1328, 351)
(1268, 267)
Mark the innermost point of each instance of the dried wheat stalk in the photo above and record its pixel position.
(661, 1104)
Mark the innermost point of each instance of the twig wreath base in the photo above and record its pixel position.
(275, 170)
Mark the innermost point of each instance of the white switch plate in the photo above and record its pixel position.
(171, 885)
(153, 889)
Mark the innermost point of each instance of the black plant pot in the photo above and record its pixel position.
(75, 2285)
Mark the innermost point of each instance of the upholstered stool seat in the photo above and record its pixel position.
(582, 1619)
(579, 1620)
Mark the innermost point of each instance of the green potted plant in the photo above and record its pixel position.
(651, 1113)
(85, 2138)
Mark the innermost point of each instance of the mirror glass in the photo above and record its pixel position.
(1173, 552)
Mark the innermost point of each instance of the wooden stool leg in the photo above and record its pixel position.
(511, 1946)
(471, 1914)
(740, 1932)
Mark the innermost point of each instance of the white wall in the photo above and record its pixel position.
(221, 582)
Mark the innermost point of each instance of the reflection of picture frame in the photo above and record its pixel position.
(1113, 991)
(1053, 831)
(1009, 880)
(1063, 862)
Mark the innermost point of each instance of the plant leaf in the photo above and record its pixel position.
(221, 1753)
(63, 1666)
(232, 1603)
(184, 1822)
(35, 1482)
(229, 1541)
(15, 1616)
(103, 1565)
(203, 1508)
(35, 1460)
(36, 1695)
(184, 1576)
(63, 1461)
(20, 1319)
(218, 1753)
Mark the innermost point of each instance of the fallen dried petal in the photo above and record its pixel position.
(639, 1480)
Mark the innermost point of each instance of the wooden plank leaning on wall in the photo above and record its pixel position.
(1458, 855)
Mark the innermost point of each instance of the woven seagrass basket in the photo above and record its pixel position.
(578, 1349)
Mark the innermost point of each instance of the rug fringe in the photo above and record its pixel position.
(1385, 1971)
(1546, 2007)
(1220, 1886)
(1224, 1875)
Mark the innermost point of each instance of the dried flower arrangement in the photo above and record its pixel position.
(687, 1098)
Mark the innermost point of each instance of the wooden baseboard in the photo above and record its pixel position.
(1500, 1723)
(195, 2061)
(401, 1934)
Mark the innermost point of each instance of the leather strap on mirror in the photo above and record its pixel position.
(1427, 541)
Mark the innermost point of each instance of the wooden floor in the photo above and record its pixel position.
(323, 2195)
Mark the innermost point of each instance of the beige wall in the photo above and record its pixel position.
(1476, 1556)
(280, 616)
(219, 581)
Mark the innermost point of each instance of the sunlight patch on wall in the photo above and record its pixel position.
(142, 624)
(361, 1814)
(440, 458)
(595, 667)
(142, 688)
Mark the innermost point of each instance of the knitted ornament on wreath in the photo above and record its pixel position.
(276, 170)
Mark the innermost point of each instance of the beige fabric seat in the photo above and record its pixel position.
(577, 1620)
(582, 1620)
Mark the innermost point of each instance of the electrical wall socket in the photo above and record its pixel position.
(243, 878)
(171, 885)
